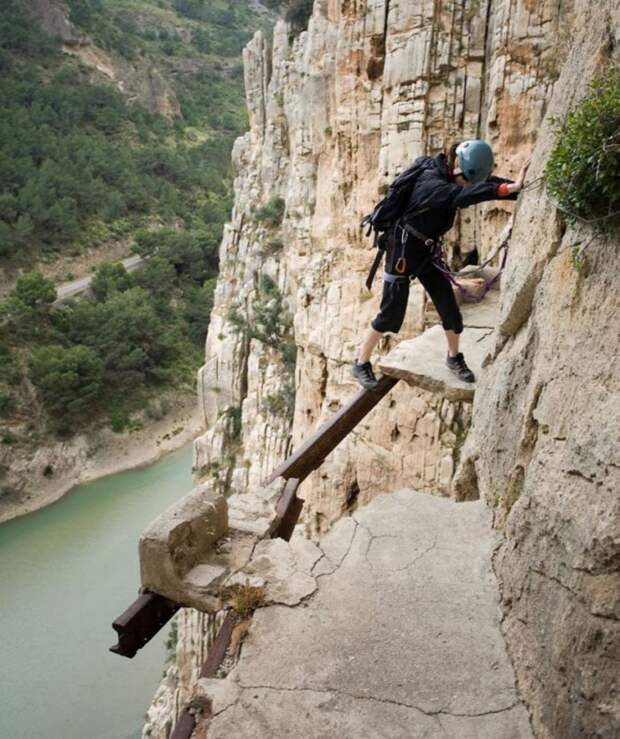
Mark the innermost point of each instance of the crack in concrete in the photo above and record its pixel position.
(339, 564)
(388, 701)
(416, 559)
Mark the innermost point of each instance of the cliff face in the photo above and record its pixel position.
(334, 115)
(543, 446)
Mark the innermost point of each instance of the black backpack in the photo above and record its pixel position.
(387, 213)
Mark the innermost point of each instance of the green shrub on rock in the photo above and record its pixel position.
(271, 213)
(582, 171)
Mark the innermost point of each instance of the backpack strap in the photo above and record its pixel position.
(374, 267)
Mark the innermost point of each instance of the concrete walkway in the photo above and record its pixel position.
(422, 361)
(400, 637)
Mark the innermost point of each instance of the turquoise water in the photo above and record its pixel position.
(66, 572)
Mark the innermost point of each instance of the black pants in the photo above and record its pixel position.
(396, 294)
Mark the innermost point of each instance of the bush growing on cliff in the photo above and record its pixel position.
(7, 403)
(582, 170)
(110, 277)
(272, 213)
(298, 14)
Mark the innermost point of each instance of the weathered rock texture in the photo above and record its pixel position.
(334, 114)
(543, 448)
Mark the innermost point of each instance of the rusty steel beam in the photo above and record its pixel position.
(288, 511)
(217, 651)
(141, 621)
(185, 725)
(311, 454)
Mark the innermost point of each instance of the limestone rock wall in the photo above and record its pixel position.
(334, 114)
(543, 447)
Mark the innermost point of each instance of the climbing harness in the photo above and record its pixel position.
(439, 260)
(437, 255)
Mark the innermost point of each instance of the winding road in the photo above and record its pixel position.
(68, 290)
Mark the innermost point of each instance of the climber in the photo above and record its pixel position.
(444, 183)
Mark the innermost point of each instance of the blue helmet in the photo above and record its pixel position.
(475, 158)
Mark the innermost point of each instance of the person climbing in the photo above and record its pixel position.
(440, 185)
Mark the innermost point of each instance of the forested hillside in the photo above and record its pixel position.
(115, 136)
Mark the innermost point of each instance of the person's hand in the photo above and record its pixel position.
(523, 173)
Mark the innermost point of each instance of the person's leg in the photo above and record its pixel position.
(369, 342)
(453, 342)
(441, 293)
(390, 318)
(440, 290)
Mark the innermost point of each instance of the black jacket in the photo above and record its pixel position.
(435, 191)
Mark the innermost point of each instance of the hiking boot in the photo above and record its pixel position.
(459, 368)
(364, 375)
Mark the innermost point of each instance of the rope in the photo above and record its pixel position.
(574, 215)
(440, 263)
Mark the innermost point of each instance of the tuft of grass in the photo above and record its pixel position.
(244, 598)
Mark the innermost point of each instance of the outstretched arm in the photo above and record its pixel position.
(508, 188)
(448, 194)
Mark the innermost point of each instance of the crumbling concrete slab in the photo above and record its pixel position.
(181, 538)
(283, 569)
(199, 542)
(422, 361)
(401, 638)
(255, 512)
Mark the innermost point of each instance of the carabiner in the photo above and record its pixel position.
(401, 265)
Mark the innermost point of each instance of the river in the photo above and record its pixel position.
(66, 572)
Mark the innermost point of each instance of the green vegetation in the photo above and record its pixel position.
(296, 12)
(271, 324)
(582, 171)
(81, 166)
(140, 332)
(172, 640)
(283, 403)
(103, 356)
(271, 213)
(233, 414)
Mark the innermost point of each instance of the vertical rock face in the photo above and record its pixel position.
(334, 114)
(543, 446)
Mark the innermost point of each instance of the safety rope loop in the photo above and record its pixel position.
(439, 260)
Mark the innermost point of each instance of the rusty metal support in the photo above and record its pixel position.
(141, 621)
(217, 651)
(311, 454)
(185, 725)
(288, 510)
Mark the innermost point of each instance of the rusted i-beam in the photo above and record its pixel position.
(313, 451)
(141, 621)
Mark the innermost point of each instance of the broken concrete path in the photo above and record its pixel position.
(422, 361)
(401, 638)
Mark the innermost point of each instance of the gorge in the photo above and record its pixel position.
(335, 113)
